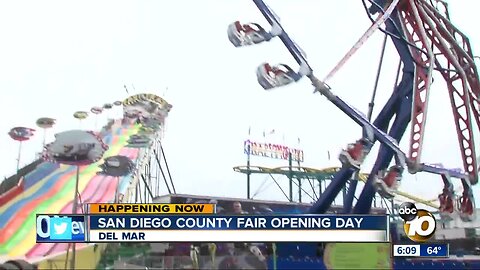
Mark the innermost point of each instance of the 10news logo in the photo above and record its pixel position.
(54, 228)
(419, 224)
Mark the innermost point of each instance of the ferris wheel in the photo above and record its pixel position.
(427, 42)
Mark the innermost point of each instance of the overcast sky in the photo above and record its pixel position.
(57, 57)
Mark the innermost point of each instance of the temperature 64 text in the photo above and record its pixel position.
(434, 250)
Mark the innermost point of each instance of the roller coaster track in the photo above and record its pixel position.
(321, 174)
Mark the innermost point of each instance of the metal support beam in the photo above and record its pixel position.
(290, 178)
(299, 190)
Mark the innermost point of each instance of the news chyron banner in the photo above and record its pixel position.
(199, 223)
(53, 228)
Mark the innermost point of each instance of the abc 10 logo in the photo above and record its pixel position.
(419, 224)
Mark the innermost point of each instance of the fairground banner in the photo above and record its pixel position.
(271, 150)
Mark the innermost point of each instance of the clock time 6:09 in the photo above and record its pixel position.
(406, 250)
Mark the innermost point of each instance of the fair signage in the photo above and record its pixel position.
(271, 150)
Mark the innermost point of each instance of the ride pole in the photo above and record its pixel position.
(299, 182)
(74, 211)
(44, 138)
(290, 177)
(19, 155)
(299, 190)
(248, 171)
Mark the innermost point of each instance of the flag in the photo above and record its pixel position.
(264, 134)
(298, 139)
(328, 153)
(271, 132)
(249, 130)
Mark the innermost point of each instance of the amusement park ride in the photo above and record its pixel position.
(426, 41)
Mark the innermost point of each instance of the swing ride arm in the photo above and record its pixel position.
(411, 42)
(293, 48)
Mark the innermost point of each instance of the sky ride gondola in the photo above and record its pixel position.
(21, 134)
(45, 123)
